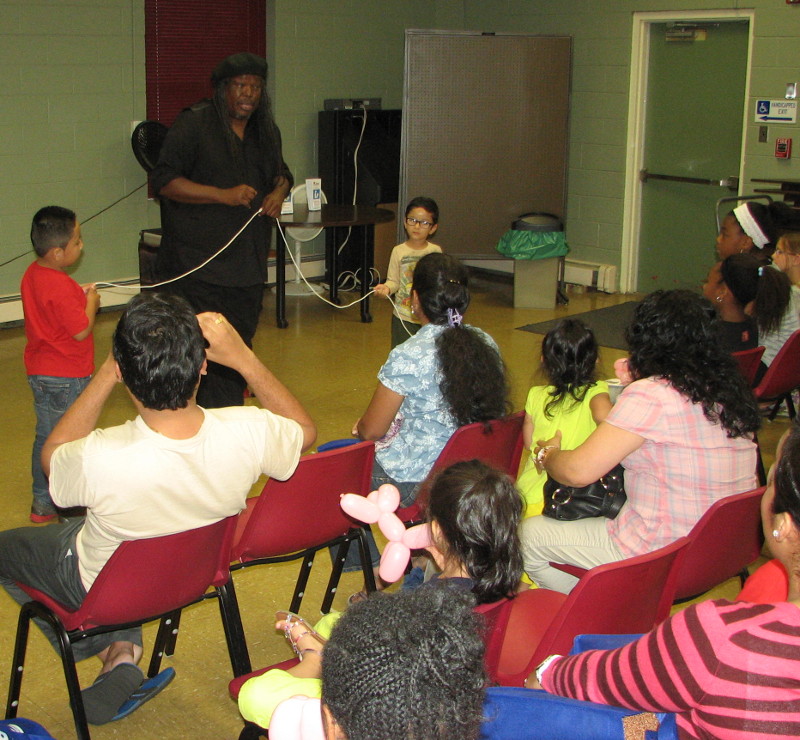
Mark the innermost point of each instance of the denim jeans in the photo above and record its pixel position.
(51, 398)
(45, 559)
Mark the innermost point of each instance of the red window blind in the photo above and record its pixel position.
(186, 39)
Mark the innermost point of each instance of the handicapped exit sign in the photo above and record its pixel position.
(776, 111)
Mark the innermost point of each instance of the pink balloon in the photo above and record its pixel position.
(373, 496)
(388, 497)
(297, 718)
(359, 508)
(392, 528)
(393, 561)
(418, 537)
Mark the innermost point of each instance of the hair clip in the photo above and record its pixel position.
(453, 318)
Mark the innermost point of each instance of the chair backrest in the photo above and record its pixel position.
(495, 620)
(749, 361)
(497, 443)
(727, 538)
(303, 511)
(149, 577)
(783, 374)
(628, 596)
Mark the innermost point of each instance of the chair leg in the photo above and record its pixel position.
(366, 561)
(302, 582)
(27, 612)
(744, 574)
(251, 731)
(18, 663)
(761, 472)
(336, 574)
(165, 642)
(234, 631)
(174, 623)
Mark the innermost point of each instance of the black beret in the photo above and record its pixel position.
(243, 63)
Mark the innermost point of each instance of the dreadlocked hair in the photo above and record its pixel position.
(474, 383)
(407, 665)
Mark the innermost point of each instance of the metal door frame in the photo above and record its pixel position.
(637, 111)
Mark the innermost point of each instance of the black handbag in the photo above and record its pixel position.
(604, 497)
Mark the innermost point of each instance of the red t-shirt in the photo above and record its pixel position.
(55, 311)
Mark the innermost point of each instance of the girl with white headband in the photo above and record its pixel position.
(755, 227)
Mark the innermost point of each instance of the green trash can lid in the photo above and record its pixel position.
(538, 222)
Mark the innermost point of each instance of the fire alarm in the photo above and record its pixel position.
(783, 148)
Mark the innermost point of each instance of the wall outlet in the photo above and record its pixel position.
(763, 134)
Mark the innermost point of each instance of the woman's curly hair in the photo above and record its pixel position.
(675, 335)
(474, 383)
(787, 477)
(407, 665)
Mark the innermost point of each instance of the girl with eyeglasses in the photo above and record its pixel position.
(421, 222)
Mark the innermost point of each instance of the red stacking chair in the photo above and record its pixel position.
(495, 617)
(143, 580)
(497, 443)
(749, 361)
(722, 544)
(781, 377)
(626, 597)
(725, 540)
(295, 518)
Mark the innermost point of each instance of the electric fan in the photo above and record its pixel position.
(146, 141)
(300, 234)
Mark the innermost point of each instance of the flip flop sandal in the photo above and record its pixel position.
(357, 597)
(145, 692)
(291, 619)
(103, 698)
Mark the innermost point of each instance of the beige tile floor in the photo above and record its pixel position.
(329, 359)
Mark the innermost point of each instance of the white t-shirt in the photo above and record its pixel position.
(136, 483)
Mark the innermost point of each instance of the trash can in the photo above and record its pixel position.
(536, 243)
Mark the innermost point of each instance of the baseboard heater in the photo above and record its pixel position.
(591, 275)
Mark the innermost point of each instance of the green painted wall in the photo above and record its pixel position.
(71, 82)
(601, 70)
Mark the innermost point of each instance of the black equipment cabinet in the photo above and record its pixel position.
(378, 163)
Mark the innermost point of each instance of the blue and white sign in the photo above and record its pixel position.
(776, 111)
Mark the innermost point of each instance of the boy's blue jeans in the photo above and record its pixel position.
(51, 398)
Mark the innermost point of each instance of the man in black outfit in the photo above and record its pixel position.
(221, 160)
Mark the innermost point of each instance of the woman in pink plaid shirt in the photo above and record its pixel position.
(682, 429)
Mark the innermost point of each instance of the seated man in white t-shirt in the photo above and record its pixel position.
(175, 467)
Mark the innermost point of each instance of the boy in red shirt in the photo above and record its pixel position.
(59, 318)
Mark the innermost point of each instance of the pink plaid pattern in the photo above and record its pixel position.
(685, 464)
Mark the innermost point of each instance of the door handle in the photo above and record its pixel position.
(728, 182)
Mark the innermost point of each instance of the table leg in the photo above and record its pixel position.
(366, 264)
(332, 244)
(280, 283)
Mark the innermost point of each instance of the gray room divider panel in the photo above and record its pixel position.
(485, 124)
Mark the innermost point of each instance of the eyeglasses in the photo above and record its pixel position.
(414, 221)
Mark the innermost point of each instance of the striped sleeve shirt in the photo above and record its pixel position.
(730, 670)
